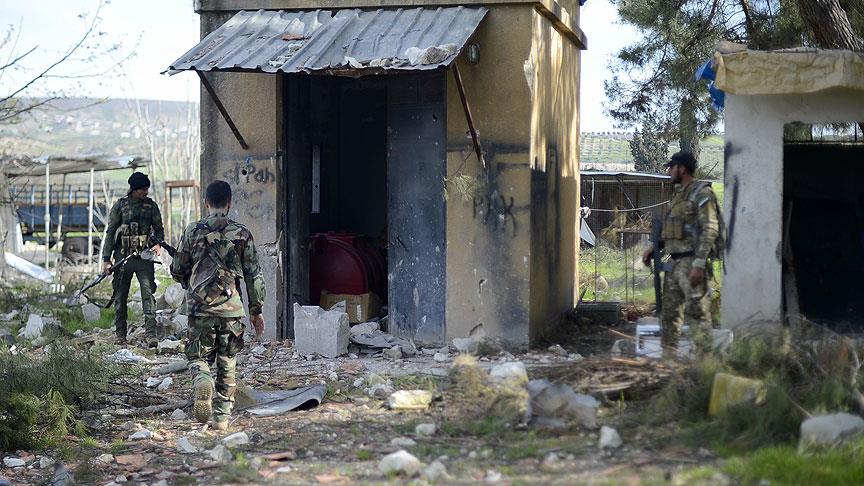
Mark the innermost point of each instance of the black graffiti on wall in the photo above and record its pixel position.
(495, 208)
(247, 172)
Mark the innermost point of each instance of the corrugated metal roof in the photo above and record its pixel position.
(322, 40)
(601, 173)
(23, 166)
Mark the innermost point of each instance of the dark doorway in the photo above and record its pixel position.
(824, 227)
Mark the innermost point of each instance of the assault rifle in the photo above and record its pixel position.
(658, 265)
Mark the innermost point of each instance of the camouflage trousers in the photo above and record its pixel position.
(684, 304)
(143, 269)
(216, 339)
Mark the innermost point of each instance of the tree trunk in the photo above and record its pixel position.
(829, 24)
(688, 130)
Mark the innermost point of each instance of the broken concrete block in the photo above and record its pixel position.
(425, 430)
(512, 373)
(141, 435)
(730, 390)
(220, 453)
(557, 400)
(34, 326)
(410, 400)
(393, 353)
(364, 328)
(91, 312)
(167, 346)
(830, 430)
(174, 295)
(235, 440)
(179, 415)
(153, 382)
(468, 345)
(165, 384)
(400, 462)
(441, 357)
(13, 462)
(609, 438)
(319, 331)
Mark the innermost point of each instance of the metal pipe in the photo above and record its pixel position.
(90, 222)
(47, 212)
(475, 138)
(222, 110)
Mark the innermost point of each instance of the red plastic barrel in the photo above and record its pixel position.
(342, 263)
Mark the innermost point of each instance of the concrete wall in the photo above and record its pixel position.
(512, 245)
(254, 102)
(753, 201)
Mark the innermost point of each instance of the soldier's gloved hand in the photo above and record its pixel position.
(106, 268)
(697, 276)
(258, 324)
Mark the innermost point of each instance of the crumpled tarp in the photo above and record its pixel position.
(377, 340)
(276, 402)
(741, 71)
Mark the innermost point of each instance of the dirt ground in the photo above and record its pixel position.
(342, 440)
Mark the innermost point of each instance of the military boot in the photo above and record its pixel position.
(202, 391)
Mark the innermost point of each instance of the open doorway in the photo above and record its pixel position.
(823, 255)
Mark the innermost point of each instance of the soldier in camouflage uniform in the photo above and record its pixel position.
(131, 221)
(213, 256)
(690, 230)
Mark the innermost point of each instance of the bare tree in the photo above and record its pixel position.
(830, 25)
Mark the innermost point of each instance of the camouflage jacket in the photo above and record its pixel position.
(145, 215)
(242, 262)
(691, 224)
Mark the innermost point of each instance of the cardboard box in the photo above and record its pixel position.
(360, 308)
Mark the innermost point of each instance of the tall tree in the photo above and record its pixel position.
(829, 24)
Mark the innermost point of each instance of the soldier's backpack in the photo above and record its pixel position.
(719, 247)
(212, 283)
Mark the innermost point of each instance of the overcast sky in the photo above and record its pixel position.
(159, 31)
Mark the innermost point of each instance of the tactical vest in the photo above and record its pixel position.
(683, 223)
(134, 231)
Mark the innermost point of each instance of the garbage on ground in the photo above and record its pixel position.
(730, 390)
(126, 356)
(410, 400)
(276, 402)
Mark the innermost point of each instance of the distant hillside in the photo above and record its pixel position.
(84, 126)
(611, 151)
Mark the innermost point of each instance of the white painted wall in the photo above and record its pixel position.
(752, 286)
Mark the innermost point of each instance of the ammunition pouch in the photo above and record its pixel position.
(130, 240)
(673, 229)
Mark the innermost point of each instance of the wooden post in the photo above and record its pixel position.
(60, 207)
(90, 227)
(47, 213)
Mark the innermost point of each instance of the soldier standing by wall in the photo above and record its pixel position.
(130, 223)
(214, 254)
(690, 235)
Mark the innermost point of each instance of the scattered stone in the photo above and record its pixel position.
(153, 382)
(40, 341)
(319, 331)
(45, 462)
(410, 400)
(512, 373)
(492, 476)
(364, 328)
(79, 333)
(105, 459)
(380, 390)
(34, 326)
(141, 434)
(284, 470)
(169, 346)
(161, 482)
(435, 472)
(425, 430)
(9, 316)
(235, 440)
(830, 430)
(558, 400)
(179, 415)
(174, 295)
(730, 390)
(172, 367)
(393, 353)
(441, 357)
(186, 447)
(468, 345)
(121, 478)
(609, 438)
(400, 462)
(557, 349)
(91, 312)
(126, 356)
(333, 376)
(166, 384)
(403, 442)
(13, 462)
(220, 453)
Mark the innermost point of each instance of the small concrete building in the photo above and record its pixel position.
(448, 134)
(794, 207)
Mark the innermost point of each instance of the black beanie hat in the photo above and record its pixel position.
(138, 181)
(683, 158)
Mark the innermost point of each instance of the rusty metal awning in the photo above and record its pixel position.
(341, 41)
(23, 166)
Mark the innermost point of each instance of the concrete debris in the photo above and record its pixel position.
(166, 383)
(557, 349)
(400, 462)
(609, 438)
(171, 367)
(380, 390)
(45, 462)
(430, 55)
(364, 328)
(435, 472)
(830, 430)
(141, 435)
(220, 453)
(319, 331)
(34, 326)
(153, 382)
(468, 345)
(441, 357)
(393, 353)
(13, 462)
(9, 316)
(79, 333)
(373, 341)
(235, 440)
(104, 459)
(91, 312)
(126, 356)
(169, 346)
(186, 447)
(410, 400)
(558, 400)
(179, 415)
(403, 442)
(730, 390)
(425, 430)
(174, 295)
(512, 373)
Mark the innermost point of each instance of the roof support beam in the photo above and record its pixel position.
(222, 110)
(475, 138)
